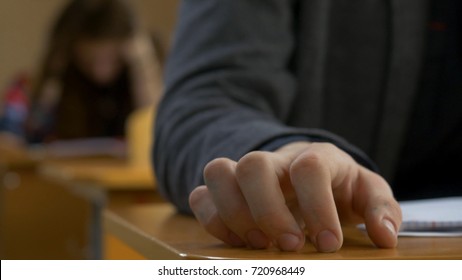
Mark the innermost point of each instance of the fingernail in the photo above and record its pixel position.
(235, 240)
(327, 242)
(257, 239)
(389, 225)
(288, 242)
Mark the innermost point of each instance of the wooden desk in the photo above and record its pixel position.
(105, 173)
(99, 181)
(156, 231)
(30, 208)
(15, 158)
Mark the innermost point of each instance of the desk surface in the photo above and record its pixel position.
(110, 173)
(107, 173)
(157, 232)
(11, 157)
(101, 180)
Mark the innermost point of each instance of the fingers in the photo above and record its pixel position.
(323, 169)
(206, 213)
(381, 212)
(248, 202)
(245, 203)
(311, 177)
(261, 188)
(232, 207)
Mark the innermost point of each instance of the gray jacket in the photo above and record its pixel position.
(245, 72)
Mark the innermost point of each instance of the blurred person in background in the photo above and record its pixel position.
(98, 67)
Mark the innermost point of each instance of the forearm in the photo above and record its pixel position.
(191, 133)
(229, 90)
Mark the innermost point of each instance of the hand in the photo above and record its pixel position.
(273, 197)
(145, 70)
(139, 48)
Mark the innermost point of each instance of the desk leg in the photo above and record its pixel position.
(97, 199)
(96, 232)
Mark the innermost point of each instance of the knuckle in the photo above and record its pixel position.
(251, 162)
(216, 168)
(308, 161)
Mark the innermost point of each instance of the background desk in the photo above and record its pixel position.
(99, 181)
(38, 218)
(156, 231)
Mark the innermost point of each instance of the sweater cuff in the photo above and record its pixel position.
(276, 143)
(358, 155)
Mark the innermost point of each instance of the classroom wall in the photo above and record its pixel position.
(24, 25)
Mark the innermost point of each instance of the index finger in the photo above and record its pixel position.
(261, 188)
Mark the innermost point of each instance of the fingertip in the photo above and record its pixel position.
(206, 214)
(289, 242)
(202, 206)
(391, 240)
(384, 234)
(389, 226)
(383, 222)
(382, 213)
(327, 242)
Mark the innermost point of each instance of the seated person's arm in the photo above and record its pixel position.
(229, 90)
(145, 70)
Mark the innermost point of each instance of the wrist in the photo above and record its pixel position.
(279, 142)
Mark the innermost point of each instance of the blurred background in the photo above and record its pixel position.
(53, 193)
(24, 25)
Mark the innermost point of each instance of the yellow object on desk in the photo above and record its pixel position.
(139, 136)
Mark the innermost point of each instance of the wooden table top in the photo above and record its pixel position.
(156, 231)
(107, 173)
(11, 157)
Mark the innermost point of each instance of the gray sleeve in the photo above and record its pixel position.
(228, 89)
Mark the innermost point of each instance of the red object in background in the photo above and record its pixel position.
(15, 106)
(16, 93)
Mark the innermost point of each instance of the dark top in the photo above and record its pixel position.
(247, 75)
(432, 154)
(84, 110)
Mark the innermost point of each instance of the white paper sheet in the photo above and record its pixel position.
(432, 217)
(439, 217)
